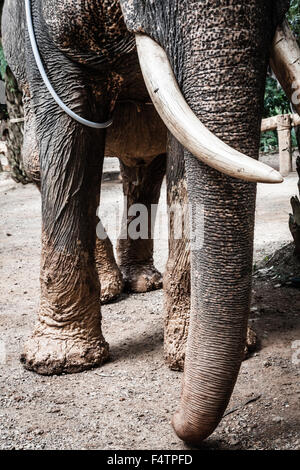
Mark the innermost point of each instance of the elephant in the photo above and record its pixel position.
(114, 273)
(203, 65)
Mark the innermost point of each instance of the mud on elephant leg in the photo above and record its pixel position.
(110, 276)
(176, 304)
(141, 185)
(68, 335)
(177, 286)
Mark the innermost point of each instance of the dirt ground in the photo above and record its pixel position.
(128, 403)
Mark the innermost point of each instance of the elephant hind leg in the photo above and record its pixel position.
(141, 187)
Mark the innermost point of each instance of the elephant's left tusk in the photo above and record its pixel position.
(285, 63)
(184, 124)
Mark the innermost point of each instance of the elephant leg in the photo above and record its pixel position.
(177, 287)
(111, 279)
(68, 336)
(141, 186)
(110, 276)
(30, 151)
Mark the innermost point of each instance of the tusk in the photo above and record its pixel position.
(285, 63)
(184, 124)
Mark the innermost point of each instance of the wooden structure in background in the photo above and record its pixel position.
(283, 124)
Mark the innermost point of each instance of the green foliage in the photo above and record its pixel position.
(275, 100)
(294, 17)
(2, 63)
(275, 103)
(4, 72)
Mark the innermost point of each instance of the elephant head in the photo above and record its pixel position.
(205, 66)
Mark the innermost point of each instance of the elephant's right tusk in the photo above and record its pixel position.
(285, 63)
(184, 124)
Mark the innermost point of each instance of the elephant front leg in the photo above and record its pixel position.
(68, 335)
(141, 187)
(177, 287)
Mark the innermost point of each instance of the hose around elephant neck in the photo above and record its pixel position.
(35, 50)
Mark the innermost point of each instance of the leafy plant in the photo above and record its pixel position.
(293, 17)
(275, 101)
(2, 63)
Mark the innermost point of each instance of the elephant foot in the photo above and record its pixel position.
(112, 285)
(109, 274)
(175, 362)
(141, 278)
(251, 343)
(176, 331)
(48, 354)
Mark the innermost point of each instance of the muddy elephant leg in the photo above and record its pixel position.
(109, 273)
(68, 336)
(141, 185)
(177, 274)
(110, 276)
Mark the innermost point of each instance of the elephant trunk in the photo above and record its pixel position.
(220, 299)
(223, 82)
(219, 53)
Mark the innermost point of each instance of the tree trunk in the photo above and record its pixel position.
(294, 221)
(15, 128)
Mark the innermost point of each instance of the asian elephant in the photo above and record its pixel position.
(204, 64)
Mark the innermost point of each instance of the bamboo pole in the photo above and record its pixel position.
(283, 125)
(270, 124)
(284, 144)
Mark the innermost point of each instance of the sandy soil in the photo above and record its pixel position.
(128, 403)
